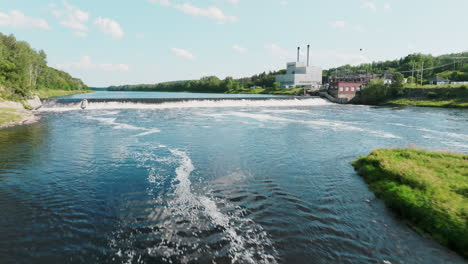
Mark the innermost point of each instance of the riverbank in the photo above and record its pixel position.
(13, 114)
(19, 113)
(44, 94)
(427, 188)
(432, 96)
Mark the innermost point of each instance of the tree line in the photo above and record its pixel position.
(210, 84)
(24, 70)
(449, 66)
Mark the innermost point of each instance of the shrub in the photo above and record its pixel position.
(432, 95)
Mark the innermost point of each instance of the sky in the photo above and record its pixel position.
(114, 42)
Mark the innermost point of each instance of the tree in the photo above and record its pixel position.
(397, 87)
(276, 86)
(374, 92)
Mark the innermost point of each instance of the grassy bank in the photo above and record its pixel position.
(429, 189)
(9, 115)
(433, 96)
(47, 93)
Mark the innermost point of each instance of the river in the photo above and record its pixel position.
(227, 181)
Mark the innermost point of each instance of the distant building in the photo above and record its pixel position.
(344, 90)
(300, 74)
(438, 81)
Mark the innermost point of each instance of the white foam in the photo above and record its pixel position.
(116, 125)
(189, 104)
(184, 196)
(335, 125)
(450, 134)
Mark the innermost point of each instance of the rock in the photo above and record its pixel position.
(10, 104)
(34, 103)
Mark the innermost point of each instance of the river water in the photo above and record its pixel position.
(230, 181)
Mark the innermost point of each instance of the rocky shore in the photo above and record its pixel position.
(14, 113)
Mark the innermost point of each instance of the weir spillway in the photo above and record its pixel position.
(169, 100)
(70, 104)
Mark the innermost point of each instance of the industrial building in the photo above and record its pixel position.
(300, 74)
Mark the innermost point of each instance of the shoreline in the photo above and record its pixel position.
(425, 188)
(14, 114)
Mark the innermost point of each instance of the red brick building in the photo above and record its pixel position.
(348, 90)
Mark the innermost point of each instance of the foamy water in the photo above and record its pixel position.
(57, 107)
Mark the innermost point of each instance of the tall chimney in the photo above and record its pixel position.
(298, 50)
(308, 48)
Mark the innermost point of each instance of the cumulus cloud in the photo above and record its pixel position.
(369, 5)
(279, 52)
(338, 24)
(212, 12)
(183, 53)
(239, 48)
(71, 17)
(17, 19)
(86, 63)
(345, 25)
(109, 27)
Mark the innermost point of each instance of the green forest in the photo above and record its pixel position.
(24, 71)
(417, 67)
(210, 84)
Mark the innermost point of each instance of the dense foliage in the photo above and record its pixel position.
(376, 91)
(429, 189)
(210, 84)
(24, 71)
(451, 66)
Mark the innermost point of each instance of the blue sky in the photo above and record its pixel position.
(106, 42)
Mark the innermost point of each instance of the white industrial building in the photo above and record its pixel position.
(301, 74)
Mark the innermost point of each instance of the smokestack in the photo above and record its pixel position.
(298, 50)
(308, 48)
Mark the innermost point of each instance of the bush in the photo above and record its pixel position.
(375, 92)
(432, 95)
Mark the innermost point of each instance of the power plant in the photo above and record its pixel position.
(301, 74)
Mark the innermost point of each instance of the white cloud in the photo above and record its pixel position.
(345, 25)
(109, 27)
(72, 17)
(239, 48)
(233, 1)
(86, 63)
(210, 12)
(161, 2)
(338, 24)
(183, 53)
(387, 6)
(279, 51)
(17, 19)
(80, 34)
(369, 5)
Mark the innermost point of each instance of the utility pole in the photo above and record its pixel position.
(422, 72)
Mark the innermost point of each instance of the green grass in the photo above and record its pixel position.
(53, 93)
(429, 189)
(455, 96)
(432, 86)
(8, 115)
(455, 103)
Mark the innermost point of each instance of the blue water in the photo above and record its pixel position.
(211, 182)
